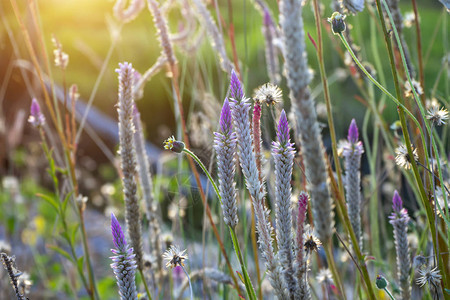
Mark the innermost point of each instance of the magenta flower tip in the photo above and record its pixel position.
(397, 203)
(36, 118)
(118, 236)
(236, 90)
(283, 129)
(303, 201)
(353, 132)
(267, 17)
(225, 117)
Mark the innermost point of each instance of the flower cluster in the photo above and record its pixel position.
(124, 264)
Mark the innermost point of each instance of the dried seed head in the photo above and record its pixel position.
(402, 157)
(430, 276)
(268, 93)
(312, 243)
(174, 257)
(437, 116)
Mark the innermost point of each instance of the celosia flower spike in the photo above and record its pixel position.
(124, 264)
(225, 146)
(399, 220)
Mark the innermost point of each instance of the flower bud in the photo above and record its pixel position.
(337, 23)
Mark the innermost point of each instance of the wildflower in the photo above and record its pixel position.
(402, 157)
(352, 150)
(268, 93)
(124, 264)
(301, 263)
(225, 146)
(240, 109)
(172, 144)
(283, 154)
(174, 257)
(312, 243)
(399, 220)
(408, 90)
(127, 153)
(36, 118)
(437, 116)
(430, 276)
(61, 58)
(337, 23)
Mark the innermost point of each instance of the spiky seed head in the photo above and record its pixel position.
(174, 257)
(437, 116)
(268, 93)
(430, 276)
(402, 158)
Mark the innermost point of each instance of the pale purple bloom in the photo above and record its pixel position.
(225, 146)
(399, 220)
(36, 118)
(283, 154)
(240, 108)
(124, 264)
(352, 150)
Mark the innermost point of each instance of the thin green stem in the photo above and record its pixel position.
(205, 170)
(337, 163)
(189, 280)
(149, 295)
(248, 285)
(430, 217)
(389, 294)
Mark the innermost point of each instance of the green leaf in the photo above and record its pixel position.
(66, 200)
(74, 233)
(80, 262)
(61, 251)
(50, 200)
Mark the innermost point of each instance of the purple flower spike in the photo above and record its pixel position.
(267, 18)
(283, 129)
(399, 220)
(236, 90)
(36, 118)
(353, 132)
(225, 118)
(118, 236)
(397, 203)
